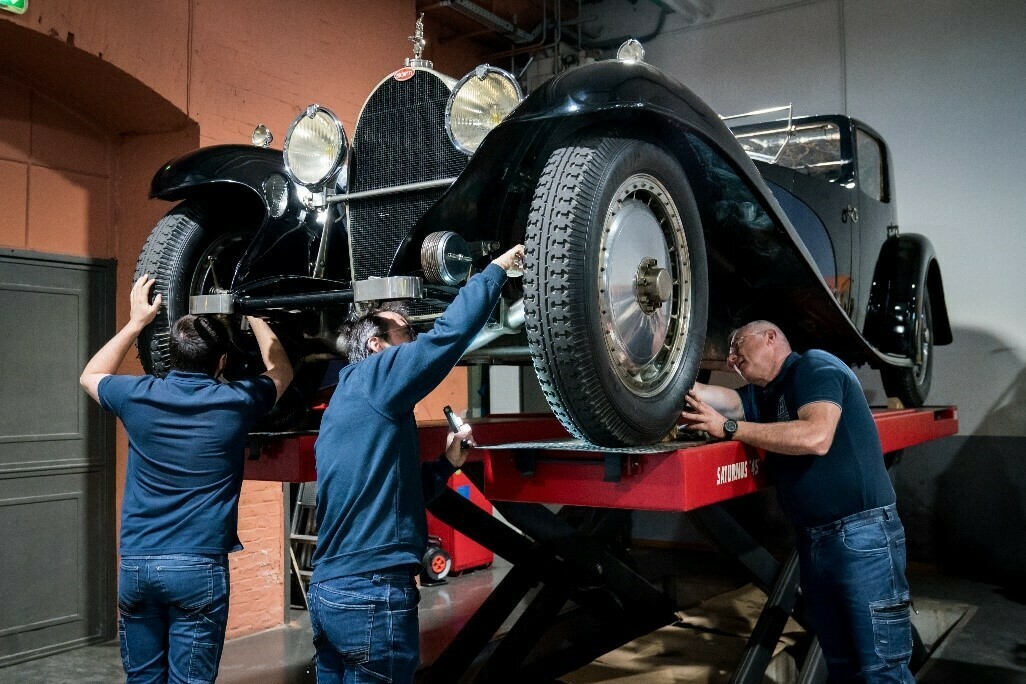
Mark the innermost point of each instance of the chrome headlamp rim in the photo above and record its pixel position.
(341, 153)
(478, 72)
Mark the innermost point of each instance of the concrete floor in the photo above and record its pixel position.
(988, 645)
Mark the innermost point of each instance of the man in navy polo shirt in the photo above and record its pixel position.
(371, 524)
(809, 413)
(179, 513)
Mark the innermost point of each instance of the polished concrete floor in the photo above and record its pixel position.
(987, 645)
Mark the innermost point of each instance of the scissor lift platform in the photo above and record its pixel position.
(589, 599)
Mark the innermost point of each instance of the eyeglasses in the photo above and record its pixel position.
(732, 350)
(405, 332)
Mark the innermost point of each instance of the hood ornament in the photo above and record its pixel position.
(418, 46)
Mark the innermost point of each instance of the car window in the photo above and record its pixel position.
(872, 179)
(813, 149)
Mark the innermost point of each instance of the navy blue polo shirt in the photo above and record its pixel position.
(186, 435)
(851, 476)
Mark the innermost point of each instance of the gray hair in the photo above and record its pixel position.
(355, 334)
(761, 325)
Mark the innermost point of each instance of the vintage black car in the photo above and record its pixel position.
(652, 229)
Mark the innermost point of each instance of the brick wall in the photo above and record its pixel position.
(136, 84)
(258, 573)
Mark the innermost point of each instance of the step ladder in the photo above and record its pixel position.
(303, 536)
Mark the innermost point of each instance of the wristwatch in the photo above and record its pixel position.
(730, 428)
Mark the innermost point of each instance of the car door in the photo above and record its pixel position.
(821, 154)
(876, 217)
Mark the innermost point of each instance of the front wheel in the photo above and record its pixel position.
(190, 253)
(911, 385)
(615, 289)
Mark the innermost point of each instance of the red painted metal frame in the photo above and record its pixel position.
(680, 480)
(289, 457)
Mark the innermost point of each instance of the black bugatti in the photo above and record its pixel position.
(652, 229)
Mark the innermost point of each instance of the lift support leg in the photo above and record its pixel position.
(613, 603)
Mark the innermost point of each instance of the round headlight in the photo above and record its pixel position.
(315, 147)
(478, 103)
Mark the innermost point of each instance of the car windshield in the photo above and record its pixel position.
(813, 148)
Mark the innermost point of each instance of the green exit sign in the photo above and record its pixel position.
(16, 6)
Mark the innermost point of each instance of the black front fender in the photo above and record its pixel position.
(239, 166)
(746, 230)
(906, 268)
(230, 178)
(628, 99)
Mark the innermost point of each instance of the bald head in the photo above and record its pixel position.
(757, 351)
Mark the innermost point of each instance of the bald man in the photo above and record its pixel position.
(808, 412)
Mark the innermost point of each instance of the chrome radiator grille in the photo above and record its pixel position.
(399, 139)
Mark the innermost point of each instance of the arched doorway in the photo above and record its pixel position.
(79, 140)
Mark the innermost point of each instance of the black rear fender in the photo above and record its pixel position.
(907, 267)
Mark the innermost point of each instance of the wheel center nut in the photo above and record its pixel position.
(653, 285)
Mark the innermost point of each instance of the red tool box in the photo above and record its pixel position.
(466, 553)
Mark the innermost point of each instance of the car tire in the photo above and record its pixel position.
(178, 254)
(615, 359)
(911, 385)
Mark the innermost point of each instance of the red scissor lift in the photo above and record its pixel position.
(590, 602)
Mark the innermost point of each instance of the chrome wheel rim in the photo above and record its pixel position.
(215, 269)
(642, 224)
(921, 364)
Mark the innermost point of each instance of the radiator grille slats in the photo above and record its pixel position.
(399, 139)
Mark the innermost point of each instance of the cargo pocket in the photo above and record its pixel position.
(892, 629)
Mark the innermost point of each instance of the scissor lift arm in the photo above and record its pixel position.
(590, 600)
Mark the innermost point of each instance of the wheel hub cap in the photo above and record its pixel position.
(644, 285)
(653, 285)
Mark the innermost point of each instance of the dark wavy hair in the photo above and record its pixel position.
(198, 343)
(355, 333)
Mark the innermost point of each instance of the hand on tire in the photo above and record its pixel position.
(143, 311)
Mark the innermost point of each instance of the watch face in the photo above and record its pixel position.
(730, 427)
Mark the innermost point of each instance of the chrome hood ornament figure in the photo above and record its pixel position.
(418, 46)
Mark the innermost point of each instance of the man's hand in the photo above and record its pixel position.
(699, 415)
(106, 361)
(454, 450)
(142, 310)
(513, 257)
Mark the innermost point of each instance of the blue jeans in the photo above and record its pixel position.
(173, 611)
(856, 595)
(365, 628)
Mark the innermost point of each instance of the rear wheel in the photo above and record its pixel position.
(189, 253)
(912, 384)
(615, 289)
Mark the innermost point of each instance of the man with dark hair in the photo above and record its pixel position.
(179, 511)
(354, 339)
(198, 344)
(809, 413)
(372, 530)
